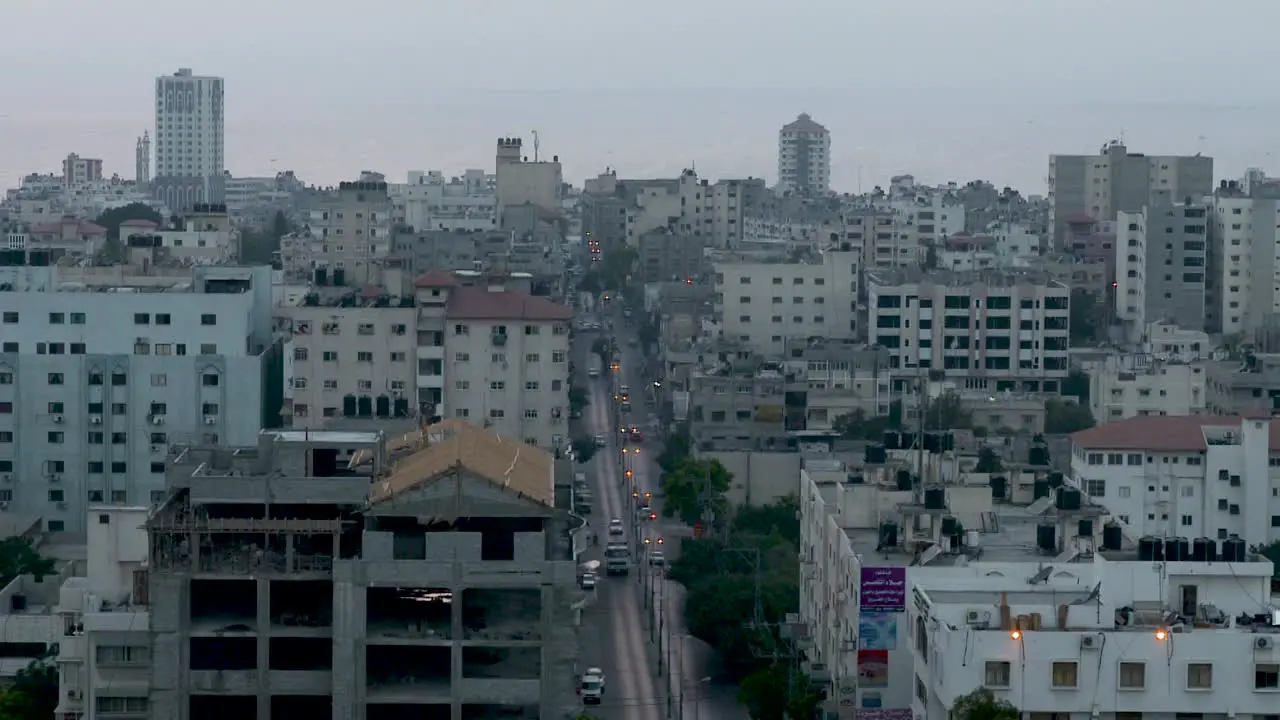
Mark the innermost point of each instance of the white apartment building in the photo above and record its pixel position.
(804, 157)
(764, 304)
(691, 206)
(1189, 476)
(1160, 259)
(1015, 241)
(993, 331)
(930, 216)
(347, 238)
(480, 353)
(97, 382)
(1246, 258)
(189, 140)
(1119, 637)
(1125, 386)
(77, 170)
(429, 201)
(104, 652)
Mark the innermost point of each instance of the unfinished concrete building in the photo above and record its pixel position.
(336, 574)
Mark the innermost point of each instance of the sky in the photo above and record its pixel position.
(942, 89)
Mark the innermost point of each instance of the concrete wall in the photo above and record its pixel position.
(759, 478)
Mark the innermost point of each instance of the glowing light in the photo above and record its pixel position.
(646, 541)
(1016, 634)
(628, 473)
(660, 541)
(653, 516)
(1161, 634)
(635, 493)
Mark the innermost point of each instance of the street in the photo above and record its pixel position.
(635, 627)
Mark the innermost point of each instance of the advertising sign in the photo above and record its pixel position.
(884, 589)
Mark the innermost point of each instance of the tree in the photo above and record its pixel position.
(112, 252)
(648, 334)
(1272, 553)
(946, 412)
(777, 692)
(1062, 417)
(1085, 317)
(988, 461)
(616, 266)
(982, 704)
(590, 282)
(674, 451)
(781, 517)
(578, 399)
(258, 246)
(34, 692)
(856, 425)
(19, 557)
(600, 346)
(694, 486)
(115, 217)
(1076, 385)
(584, 449)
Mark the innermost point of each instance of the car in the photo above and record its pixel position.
(633, 342)
(615, 528)
(588, 581)
(646, 512)
(592, 687)
(601, 440)
(657, 558)
(636, 436)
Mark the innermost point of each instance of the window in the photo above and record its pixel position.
(1266, 676)
(1095, 458)
(461, 329)
(1186, 521)
(6, 408)
(329, 356)
(55, 378)
(208, 348)
(497, 385)
(10, 318)
(462, 357)
(56, 408)
(159, 379)
(1064, 675)
(79, 349)
(531, 357)
(57, 526)
(96, 467)
(119, 409)
(300, 353)
(1095, 488)
(1199, 676)
(1122, 491)
(119, 467)
(119, 379)
(557, 357)
(208, 319)
(364, 357)
(56, 437)
(162, 318)
(531, 413)
(997, 674)
(129, 655)
(1133, 675)
(209, 380)
(531, 385)
(142, 318)
(106, 704)
(56, 318)
(56, 496)
(497, 413)
(462, 384)
(119, 438)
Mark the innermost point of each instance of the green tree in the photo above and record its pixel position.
(616, 266)
(982, 704)
(600, 346)
(578, 398)
(946, 412)
(258, 246)
(1062, 417)
(34, 692)
(694, 486)
(674, 451)
(590, 282)
(988, 461)
(1272, 553)
(1076, 385)
(584, 449)
(19, 557)
(856, 425)
(778, 692)
(112, 219)
(1086, 317)
(781, 517)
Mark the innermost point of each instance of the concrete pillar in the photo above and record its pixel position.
(264, 649)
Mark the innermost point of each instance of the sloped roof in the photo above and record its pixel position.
(479, 303)
(803, 123)
(1161, 433)
(435, 279)
(454, 445)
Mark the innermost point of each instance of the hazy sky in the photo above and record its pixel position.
(946, 89)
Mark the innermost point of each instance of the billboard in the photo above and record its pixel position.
(884, 589)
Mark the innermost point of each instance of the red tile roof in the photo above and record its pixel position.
(84, 227)
(435, 279)
(478, 303)
(1161, 433)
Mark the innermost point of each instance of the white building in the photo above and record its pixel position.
(688, 206)
(98, 381)
(104, 654)
(1246, 257)
(189, 140)
(429, 201)
(764, 304)
(995, 330)
(1125, 386)
(77, 170)
(1190, 476)
(804, 157)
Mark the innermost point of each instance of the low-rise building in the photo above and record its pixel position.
(1249, 385)
(1125, 386)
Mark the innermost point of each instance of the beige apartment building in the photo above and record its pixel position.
(348, 235)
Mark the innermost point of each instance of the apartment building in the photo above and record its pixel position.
(1115, 180)
(204, 235)
(1125, 386)
(104, 644)
(190, 149)
(1111, 638)
(97, 382)
(804, 157)
(429, 201)
(1245, 386)
(519, 180)
(1161, 253)
(457, 346)
(77, 170)
(665, 255)
(1189, 476)
(432, 576)
(1245, 289)
(347, 238)
(997, 331)
(766, 304)
(691, 205)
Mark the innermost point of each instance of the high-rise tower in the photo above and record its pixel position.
(142, 159)
(188, 140)
(804, 157)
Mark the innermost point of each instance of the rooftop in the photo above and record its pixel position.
(803, 123)
(964, 278)
(1167, 433)
(449, 446)
(435, 279)
(479, 303)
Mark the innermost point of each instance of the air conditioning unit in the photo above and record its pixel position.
(210, 420)
(1263, 643)
(58, 419)
(95, 419)
(977, 616)
(157, 419)
(55, 477)
(1091, 641)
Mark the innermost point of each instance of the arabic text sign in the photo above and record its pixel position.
(884, 588)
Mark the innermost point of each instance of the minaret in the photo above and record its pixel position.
(142, 159)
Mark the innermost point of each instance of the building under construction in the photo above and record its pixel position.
(345, 575)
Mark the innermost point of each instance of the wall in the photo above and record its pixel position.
(117, 545)
(759, 478)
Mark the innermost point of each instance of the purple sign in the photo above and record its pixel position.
(884, 589)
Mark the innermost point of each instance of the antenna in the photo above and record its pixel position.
(536, 145)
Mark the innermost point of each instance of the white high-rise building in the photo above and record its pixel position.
(189, 149)
(804, 157)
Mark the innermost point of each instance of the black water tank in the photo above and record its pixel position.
(1056, 480)
(1176, 549)
(382, 406)
(402, 407)
(888, 534)
(1112, 536)
(322, 276)
(364, 406)
(349, 406)
(873, 454)
(1204, 549)
(949, 525)
(903, 480)
(1233, 549)
(999, 486)
(1038, 456)
(1085, 527)
(1068, 499)
(1147, 548)
(339, 277)
(1040, 489)
(1158, 549)
(1047, 537)
(892, 440)
(935, 499)
(906, 440)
